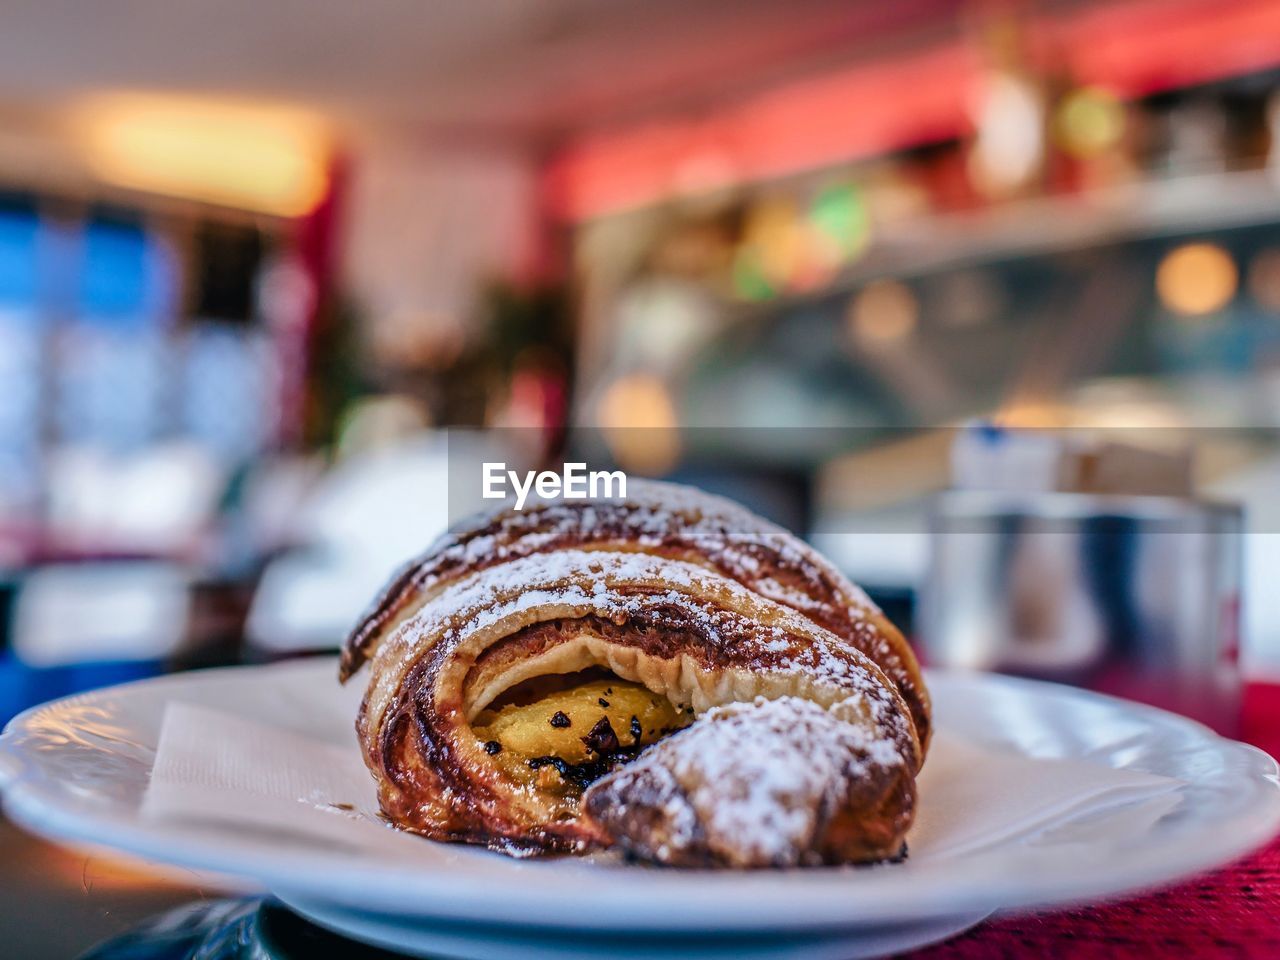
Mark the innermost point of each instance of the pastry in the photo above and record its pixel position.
(661, 520)
(493, 707)
(773, 783)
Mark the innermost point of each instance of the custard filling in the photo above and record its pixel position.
(559, 733)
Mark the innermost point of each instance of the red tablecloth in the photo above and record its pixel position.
(1233, 912)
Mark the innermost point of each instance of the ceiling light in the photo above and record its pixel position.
(265, 159)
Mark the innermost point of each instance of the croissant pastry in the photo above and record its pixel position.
(663, 520)
(495, 705)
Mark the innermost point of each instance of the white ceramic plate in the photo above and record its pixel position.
(76, 770)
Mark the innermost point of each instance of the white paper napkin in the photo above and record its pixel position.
(216, 767)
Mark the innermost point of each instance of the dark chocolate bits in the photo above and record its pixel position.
(602, 740)
(607, 753)
(492, 748)
(560, 720)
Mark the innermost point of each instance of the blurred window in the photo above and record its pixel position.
(20, 349)
(112, 359)
(230, 386)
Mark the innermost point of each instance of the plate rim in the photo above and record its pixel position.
(688, 900)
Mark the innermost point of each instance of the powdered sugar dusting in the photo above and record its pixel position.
(748, 785)
(653, 512)
(676, 522)
(577, 583)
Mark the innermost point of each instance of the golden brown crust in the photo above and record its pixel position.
(679, 629)
(661, 520)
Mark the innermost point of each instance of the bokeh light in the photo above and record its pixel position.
(838, 215)
(1088, 121)
(1008, 149)
(1196, 278)
(885, 311)
(775, 232)
(638, 419)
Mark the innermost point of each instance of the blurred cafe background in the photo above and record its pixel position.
(256, 260)
(983, 297)
(886, 272)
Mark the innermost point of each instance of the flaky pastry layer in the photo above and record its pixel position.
(660, 520)
(680, 629)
